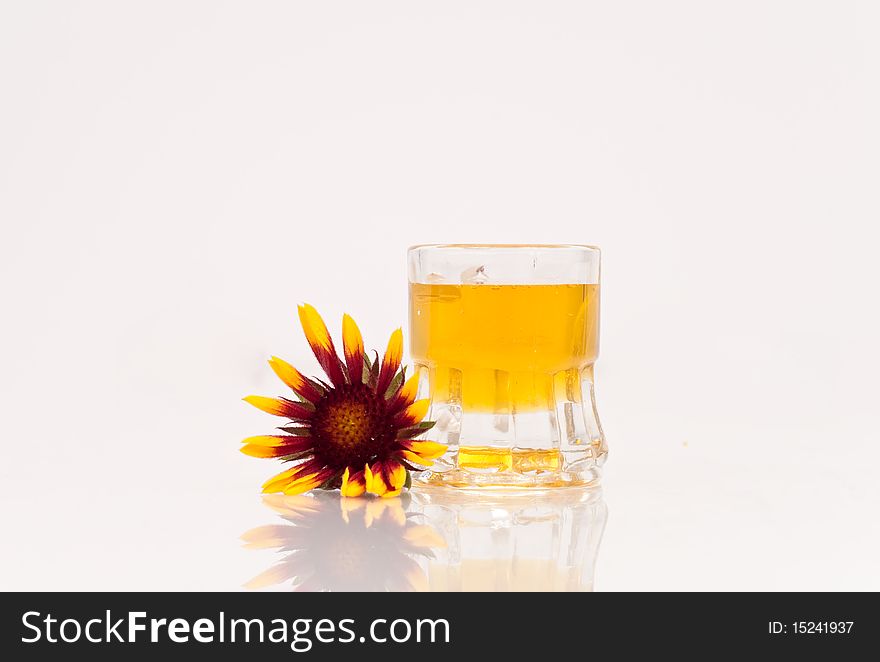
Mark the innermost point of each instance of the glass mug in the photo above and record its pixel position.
(504, 338)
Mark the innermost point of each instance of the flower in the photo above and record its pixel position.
(359, 432)
(331, 544)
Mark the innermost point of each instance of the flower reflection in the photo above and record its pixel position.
(333, 544)
(434, 539)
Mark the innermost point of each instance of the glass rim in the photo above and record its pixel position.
(585, 247)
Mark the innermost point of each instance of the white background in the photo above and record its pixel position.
(176, 176)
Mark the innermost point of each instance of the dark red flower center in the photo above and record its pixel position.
(350, 426)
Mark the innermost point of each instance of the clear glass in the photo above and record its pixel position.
(504, 338)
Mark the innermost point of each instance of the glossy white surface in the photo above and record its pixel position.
(176, 176)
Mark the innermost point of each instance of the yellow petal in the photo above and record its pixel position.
(264, 440)
(293, 378)
(292, 477)
(268, 405)
(283, 476)
(373, 482)
(410, 389)
(314, 327)
(321, 343)
(255, 450)
(415, 412)
(352, 340)
(352, 488)
(427, 450)
(280, 407)
(416, 459)
(391, 361)
(394, 351)
(397, 476)
(305, 484)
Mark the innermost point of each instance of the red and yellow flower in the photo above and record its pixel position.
(358, 431)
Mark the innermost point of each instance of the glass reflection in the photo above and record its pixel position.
(433, 539)
(514, 541)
